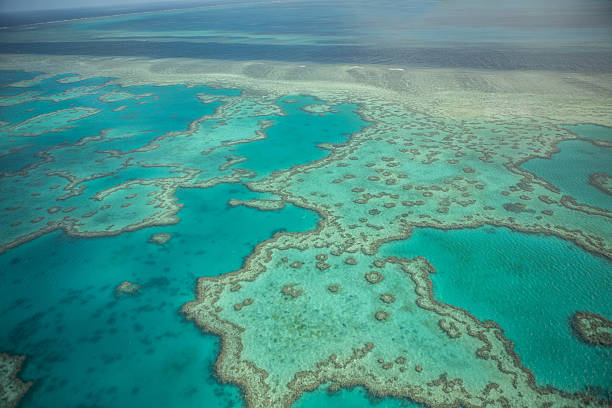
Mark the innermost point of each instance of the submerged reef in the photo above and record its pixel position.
(12, 389)
(592, 328)
(160, 238)
(127, 288)
(602, 181)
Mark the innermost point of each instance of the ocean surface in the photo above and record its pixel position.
(169, 158)
(565, 35)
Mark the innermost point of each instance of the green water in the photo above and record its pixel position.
(170, 108)
(84, 345)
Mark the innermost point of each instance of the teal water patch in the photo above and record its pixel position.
(349, 398)
(530, 285)
(294, 138)
(570, 169)
(86, 347)
(591, 132)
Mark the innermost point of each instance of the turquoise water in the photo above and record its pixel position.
(349, 398)
(592, 132)
(87, 348)
(570, 168)
(530, 285)
(293, 139)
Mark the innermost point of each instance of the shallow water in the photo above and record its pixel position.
(349, 398)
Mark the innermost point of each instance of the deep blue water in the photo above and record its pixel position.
(9, 77)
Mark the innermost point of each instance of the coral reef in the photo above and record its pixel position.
(592, 328)
(160, 238)
(12, 389)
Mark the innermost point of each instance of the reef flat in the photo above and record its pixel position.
(421, 149)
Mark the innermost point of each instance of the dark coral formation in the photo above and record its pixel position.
(602, 181)
(374, 277)
(381, 315)
(291, 291)
(333, 288)
(245, 302)
(450, 328)
(592, 328)
(127, 288)
(160, 238)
